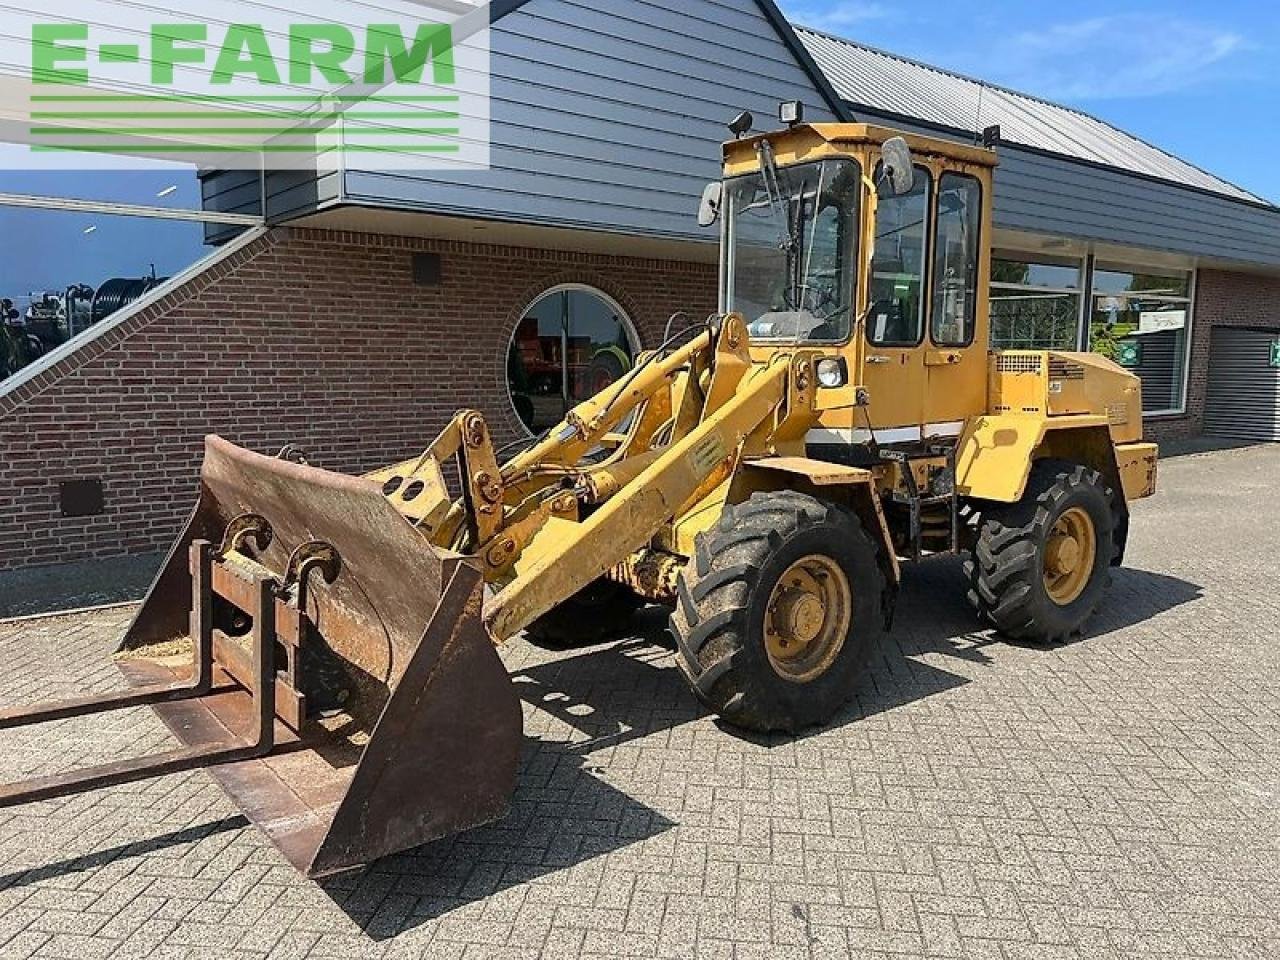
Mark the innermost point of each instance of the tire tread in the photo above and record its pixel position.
(1004, 567)
(714, 594)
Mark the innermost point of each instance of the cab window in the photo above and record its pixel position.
(792, 256)
(896, 317)
(955, 259)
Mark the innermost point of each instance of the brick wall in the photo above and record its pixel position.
(314, 337)
(1222, 299)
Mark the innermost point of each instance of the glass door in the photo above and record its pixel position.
(895, 328)
(956, 358)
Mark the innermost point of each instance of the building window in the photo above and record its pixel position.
(898, 266)
(570, 344)
(1035, 303)
(955, 259)
(78, 249)
(1141, 318)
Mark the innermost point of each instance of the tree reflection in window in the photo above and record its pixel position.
(1035, 303)
(1140, 320)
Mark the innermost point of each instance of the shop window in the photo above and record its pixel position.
(955, 263)
(898, 266)
(1035, 303)
(79, 247)
(1141, 319)
(570, 344)
(65, 271)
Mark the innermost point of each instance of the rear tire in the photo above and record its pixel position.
(599, 612)
(777, 610)
(1041, 566)
(605, 369)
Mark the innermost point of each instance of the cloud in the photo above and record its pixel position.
(1109, 57)
(834, 16)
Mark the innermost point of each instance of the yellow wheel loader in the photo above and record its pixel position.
(326, 644)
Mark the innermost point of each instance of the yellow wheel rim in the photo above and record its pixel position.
(808, 618)
(1069, 554)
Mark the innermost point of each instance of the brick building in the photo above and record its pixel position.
(353, 311)
(220, 354)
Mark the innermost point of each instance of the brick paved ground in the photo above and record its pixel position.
(1115, 797)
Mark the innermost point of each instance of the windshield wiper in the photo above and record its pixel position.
(789, 228)
(787, 231)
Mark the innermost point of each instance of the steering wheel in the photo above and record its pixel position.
(812, 298)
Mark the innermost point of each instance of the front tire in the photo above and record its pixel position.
(777, 610)
(1040, 567)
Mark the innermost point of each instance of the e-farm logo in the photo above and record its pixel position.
(299, 92)
(244, 52)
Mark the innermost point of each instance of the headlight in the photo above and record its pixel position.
(832, 372)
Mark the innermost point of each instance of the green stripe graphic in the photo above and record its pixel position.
(294, 131)
(216, 98)
(264, 148)
(240, 115)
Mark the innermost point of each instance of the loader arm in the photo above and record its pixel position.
(694, 465)
(687, 418)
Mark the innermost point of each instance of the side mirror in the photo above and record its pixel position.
(899, 169)
(709, 208)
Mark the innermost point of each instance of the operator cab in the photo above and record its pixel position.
(873, 244)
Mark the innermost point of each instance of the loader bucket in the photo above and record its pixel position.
(326, 663)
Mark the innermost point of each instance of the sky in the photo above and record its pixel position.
(1200, 80)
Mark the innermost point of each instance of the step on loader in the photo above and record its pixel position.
(324, 644)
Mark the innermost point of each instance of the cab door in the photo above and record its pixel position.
(897, 299)
(955, 360)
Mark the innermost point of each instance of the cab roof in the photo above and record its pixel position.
(814, 140)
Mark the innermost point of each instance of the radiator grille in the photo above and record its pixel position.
(1018, 363)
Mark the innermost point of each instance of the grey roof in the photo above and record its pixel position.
(880, 81)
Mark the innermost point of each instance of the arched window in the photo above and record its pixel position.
(572, 342)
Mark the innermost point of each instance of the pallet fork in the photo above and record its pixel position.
(325, 663)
